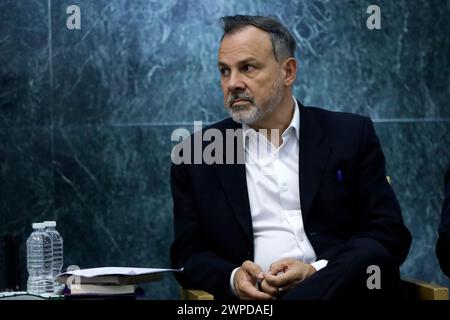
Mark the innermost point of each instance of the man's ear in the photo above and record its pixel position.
(290, 71)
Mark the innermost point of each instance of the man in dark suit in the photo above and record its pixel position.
(443, 243)
(312, 217)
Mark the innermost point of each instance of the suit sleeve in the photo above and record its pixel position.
(381, 217)
(203, 268)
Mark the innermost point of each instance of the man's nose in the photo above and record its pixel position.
(235, 82)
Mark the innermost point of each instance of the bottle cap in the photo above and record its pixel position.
(38, 225)
(50, 223)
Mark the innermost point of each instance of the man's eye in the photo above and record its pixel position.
(224, 71)
(248, 68)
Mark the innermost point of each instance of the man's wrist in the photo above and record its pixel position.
(232, 287)
(320, 264)
(311, 270)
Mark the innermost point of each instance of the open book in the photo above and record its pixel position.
(113, 275)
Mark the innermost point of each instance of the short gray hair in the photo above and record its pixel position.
(283, 43)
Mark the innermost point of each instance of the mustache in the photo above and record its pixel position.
(239, 96)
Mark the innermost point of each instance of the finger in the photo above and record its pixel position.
(268, 288)
(241, 277)
(250, 292)
(279, 280)
(253, 269)
(244, 285)
(277, 267)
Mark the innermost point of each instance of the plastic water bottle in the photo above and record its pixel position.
(57, 254)
(39, 261)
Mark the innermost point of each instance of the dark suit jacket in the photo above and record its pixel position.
(212, 219)
(443, 243)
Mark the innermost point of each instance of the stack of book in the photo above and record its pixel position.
(107, 282)
(101, 289)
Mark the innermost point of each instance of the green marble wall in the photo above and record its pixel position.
(86, 115)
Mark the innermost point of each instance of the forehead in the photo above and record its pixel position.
(249, 42)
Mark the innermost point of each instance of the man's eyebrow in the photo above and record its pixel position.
(245, 61)
(248, 60)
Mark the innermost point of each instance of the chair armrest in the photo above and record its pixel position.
(191, 294)
(422, 290)
(417, 289)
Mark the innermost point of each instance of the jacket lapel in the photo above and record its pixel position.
(233, 180)
(314, 150)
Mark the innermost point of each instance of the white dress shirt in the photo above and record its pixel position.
(273, 191)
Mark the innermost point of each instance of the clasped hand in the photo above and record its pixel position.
(250, 282)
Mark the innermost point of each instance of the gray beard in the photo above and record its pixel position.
(252, 112)
(247, 114)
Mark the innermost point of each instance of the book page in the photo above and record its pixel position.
(124, 271)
